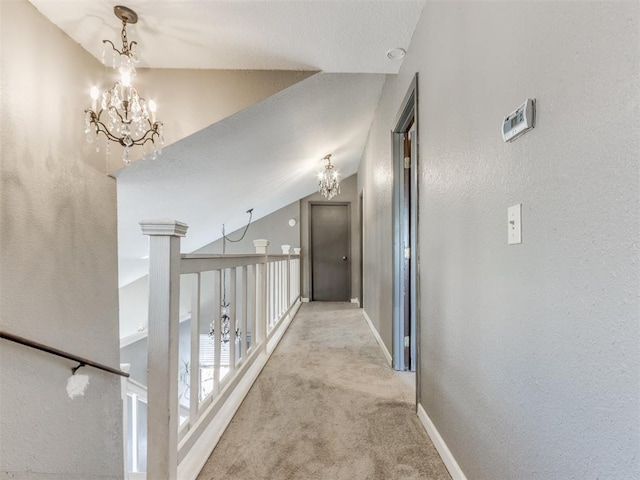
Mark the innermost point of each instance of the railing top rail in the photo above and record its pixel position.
(197, 263)
(204, 263)
(189, 256)
(83, 362)
(279, 256)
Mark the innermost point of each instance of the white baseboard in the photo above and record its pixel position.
(304, 299)
(447, 457)
(376, 335)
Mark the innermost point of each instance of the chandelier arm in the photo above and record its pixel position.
(149, 136)
(112, 46)
(124, 119)
(102, 128)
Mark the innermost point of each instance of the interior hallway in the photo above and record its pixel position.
(327, 406)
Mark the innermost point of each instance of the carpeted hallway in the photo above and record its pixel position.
(326, 406)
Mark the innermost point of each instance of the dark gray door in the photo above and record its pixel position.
(330, 250)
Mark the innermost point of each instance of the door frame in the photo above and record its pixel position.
(361, 246)
(348, 205)
(407, 115)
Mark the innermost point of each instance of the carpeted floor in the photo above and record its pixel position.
(327, 406)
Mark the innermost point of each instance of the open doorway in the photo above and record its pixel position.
(405, 228)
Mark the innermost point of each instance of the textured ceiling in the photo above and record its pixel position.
(351, 36)
(263, 157)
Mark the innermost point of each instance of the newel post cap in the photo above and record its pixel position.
(296, 251)
(261, 245)
(285, 249)
(164, 227)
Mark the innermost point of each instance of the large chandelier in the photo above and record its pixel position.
(328, 180)
(122, 115)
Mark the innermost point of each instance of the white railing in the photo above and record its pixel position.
(241, 306)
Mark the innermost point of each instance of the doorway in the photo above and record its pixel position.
(330, 251)
(405, 245)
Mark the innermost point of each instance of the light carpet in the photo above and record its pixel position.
(327, 406)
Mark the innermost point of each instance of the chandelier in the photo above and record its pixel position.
(120, 113)
(329, 183)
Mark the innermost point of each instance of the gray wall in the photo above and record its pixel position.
(530, 353)
(349, 194)
(274, 227)
(58, 260)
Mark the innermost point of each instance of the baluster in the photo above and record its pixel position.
(243, 314)
(288, 286)
(261, 292)
(217, 337)
(194, 373)
(252, 305)
(232, 320)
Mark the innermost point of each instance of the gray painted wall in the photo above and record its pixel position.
(58, 260)
(274, 227)
(530, 353)
(348, 194)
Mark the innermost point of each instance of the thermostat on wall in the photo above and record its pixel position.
(520, 121)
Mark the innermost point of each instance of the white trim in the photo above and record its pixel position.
(163, 227)
(304, 299)
(376, 335)
(355, 300)
(197, 456)
(447, 457)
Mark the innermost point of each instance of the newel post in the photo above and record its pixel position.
(261, 290)
(162, 354)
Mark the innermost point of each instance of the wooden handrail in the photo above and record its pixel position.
(54, 351)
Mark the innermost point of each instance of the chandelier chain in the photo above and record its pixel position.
(123, 35)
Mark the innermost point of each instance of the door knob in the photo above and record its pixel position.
(344, 258)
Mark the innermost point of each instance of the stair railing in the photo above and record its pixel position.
(241, 306)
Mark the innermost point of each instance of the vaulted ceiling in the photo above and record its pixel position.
(265, 155)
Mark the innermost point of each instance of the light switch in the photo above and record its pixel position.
(514, 225)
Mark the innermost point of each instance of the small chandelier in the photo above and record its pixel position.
(329, 183)
(120, 113)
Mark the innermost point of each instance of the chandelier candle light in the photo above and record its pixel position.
(130, 120)
(328, 180)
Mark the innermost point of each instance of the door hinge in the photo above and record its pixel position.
(407, 252)
(407, 341)
(407, 163)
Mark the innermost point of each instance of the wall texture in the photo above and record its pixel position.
(529, 353)
(58, 264)
(203, 98)
(348, 194)
(274, 227)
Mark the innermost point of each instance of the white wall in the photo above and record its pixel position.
(58, 265)
(529, 353)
